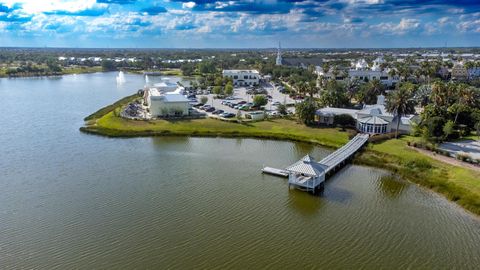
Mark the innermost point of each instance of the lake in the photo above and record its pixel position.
(72, 200)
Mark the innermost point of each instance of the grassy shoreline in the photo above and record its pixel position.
(458, 184)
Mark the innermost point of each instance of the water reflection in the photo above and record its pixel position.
(391, 186)
(303, 202)
(301, 149)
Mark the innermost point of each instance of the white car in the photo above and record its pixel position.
(276, 103)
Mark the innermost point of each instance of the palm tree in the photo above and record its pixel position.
(465, 97)
(400, 103)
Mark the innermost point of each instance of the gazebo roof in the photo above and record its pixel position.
(307, 165)
(372, 120)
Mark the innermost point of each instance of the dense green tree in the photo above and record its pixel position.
(306, 111)
(259, 100)
(369, 91)
(334, 95)
(344, 120)
(401, 103)
(229, 89)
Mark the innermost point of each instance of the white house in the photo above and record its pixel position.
(242, 77)
(361, 71)
(371, 119)
(164, 104)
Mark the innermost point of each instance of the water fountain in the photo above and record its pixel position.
(147, 80)
(121, 78)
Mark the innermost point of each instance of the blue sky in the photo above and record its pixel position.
(239, 23)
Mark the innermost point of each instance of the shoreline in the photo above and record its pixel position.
(393, 155)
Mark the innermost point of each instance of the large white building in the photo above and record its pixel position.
(362, 72)
(372, 119)
(165, 104)
(242, 77)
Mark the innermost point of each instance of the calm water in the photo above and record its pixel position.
(71, 200)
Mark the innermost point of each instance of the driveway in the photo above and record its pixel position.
(469, 147)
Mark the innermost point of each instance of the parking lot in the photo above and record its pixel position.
(240, 94)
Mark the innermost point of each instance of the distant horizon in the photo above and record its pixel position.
(241, 48)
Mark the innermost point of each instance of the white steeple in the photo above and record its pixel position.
(278, 61)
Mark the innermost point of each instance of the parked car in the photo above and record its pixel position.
(191, 96)
(227, 115)
(230, 98)
(218, 112)
(244, 107)
(211, 109)
(224, 102)
(237, 106)
(276, 103)
(205, 107)
(242, 102)
(198, 105)
(273, 113)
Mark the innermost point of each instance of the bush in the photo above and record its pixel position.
(344, 120)
(463, 157)
(420, 163)
(381, 137)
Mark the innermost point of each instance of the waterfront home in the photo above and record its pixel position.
(166, 104)
(371, 119)
(242, 77)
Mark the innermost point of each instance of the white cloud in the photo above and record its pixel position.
(189, 5)
(404, 26)
(39, 6)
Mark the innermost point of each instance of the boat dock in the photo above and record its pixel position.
(310, 175)
(274, 171)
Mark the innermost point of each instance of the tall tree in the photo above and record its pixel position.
(401, 103)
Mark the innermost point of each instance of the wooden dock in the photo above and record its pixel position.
(274, 171)
(328, 165)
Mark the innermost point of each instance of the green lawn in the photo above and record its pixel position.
(80, 70)
(112, 125)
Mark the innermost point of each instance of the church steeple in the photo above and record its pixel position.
(278, 61)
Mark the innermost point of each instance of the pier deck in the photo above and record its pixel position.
(329, 163)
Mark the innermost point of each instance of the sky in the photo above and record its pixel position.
(239, 23)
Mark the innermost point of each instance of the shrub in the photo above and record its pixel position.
(463, 157)
(420, 163)
(344, 120)
(381, 137)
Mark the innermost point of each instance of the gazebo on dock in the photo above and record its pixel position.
(306, 174)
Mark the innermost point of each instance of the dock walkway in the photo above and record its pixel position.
(328, 164)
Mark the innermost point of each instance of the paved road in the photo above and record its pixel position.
(469, 147)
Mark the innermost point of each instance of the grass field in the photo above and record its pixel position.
(458, 184)
(111, 125)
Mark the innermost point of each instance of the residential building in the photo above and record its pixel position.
(372, 119)
(242, 77)
(361, 71)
